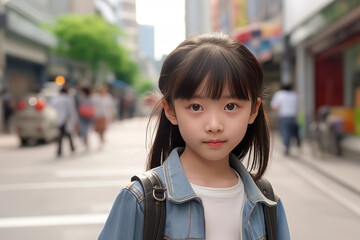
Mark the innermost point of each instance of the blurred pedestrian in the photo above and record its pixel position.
(86, 113)
(78, 93)
(285, 102)
(8, 108)
(105, 111)
(128, 104)
(67, 118)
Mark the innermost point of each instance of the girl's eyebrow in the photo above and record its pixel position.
(222, 96)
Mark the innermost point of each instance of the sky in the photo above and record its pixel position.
(168, 19)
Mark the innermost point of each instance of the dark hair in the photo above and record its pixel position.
(86, 91)
(286, 87)
(222, 61)
(64, 89)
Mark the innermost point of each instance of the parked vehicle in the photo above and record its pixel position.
(34, 119)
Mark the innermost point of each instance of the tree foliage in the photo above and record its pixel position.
(144, 86)
(91, 39)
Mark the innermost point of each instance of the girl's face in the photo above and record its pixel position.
(211, 128)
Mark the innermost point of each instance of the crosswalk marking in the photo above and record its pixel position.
(54, 220)
(62, 185)
(97, 173)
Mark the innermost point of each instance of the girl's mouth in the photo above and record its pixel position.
(214, 143)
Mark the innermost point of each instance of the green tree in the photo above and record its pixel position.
(144, 86)
(91, 39)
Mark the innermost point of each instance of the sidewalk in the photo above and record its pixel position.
(345, 171)
(351, 147)
(8, 141)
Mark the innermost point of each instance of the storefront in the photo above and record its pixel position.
(26, 49)
(327, 50)
(337, 81)
(264, 41)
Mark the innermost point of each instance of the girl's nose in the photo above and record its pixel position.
(214, 125)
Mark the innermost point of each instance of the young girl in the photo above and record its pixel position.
(211, 118)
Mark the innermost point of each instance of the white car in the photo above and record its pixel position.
(34, 118)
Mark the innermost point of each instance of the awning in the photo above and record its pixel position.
(120, 84)
(259, 38)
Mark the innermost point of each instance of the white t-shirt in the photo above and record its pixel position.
(104, 106)
(286, 102)
(223, 209)
(65, 111)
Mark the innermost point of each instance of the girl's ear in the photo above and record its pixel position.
(254, 112)
(170, 113)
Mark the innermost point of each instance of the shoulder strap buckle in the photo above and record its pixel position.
(159, 193)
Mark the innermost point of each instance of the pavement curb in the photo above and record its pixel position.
(341, 170)
(332, 176)
(8, 141)
(337, 175)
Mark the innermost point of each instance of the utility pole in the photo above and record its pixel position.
(2, 40)
(2, 58)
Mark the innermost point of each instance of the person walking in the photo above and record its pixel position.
(105, 111)
(285, 103)
(86, 113)
(67, 118)
(8, 108)
(210, 118)
(128, 104)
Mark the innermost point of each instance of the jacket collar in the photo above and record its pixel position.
(180, 190)
(178, 186)
(253, 192)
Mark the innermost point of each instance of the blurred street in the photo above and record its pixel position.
(76, 65)
(44, 197)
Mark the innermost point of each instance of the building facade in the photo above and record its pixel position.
(260, 30)
(147, 41)
(126, 11)
(26, 47)
(197, 17)
(325, 41)
(26, 57)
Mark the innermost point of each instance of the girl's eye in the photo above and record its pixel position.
(196, 107)
(231, 107)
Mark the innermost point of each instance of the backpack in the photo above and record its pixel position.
(155, 206)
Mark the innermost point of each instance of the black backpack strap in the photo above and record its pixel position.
(154, 205)
(269, 212)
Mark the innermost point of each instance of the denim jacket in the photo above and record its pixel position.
(184, 210)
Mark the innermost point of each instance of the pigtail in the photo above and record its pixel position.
(157, 151)
(261, 143)
(256, 145)
(167, 137)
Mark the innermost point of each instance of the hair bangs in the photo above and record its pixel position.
(236, 77)
(215, 65)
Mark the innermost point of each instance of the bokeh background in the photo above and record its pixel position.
(314, 45)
